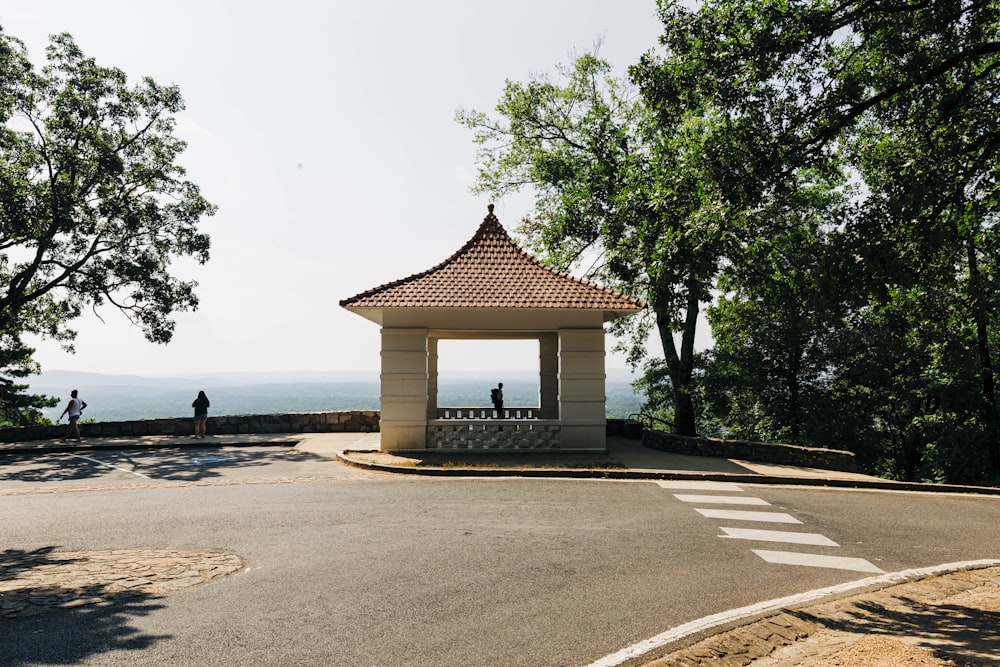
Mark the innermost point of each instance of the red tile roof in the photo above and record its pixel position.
(491, 271)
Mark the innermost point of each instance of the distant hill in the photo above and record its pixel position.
(126, 397)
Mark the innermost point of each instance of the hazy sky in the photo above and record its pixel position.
(325, 133)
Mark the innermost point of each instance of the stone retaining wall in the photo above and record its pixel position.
(354, 421)
(760, 452)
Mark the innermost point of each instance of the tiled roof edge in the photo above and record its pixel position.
(481, 232)
(491, 224)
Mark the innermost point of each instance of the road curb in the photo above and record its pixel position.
(709, 640)
(348, 457)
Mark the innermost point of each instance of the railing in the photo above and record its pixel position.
(484, 434)
(649, 422)
(468, 414)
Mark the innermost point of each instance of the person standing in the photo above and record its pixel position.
(74, 409)
(496, 395)
(200, 406)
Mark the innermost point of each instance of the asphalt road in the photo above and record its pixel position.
(355, 568)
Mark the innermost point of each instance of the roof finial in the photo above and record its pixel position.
(490, 207)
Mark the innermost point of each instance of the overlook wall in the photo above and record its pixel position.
(760, 452)
(353, 421)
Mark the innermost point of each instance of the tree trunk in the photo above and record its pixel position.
(986, 374)
(794, 418)
(681, 363)
(794, 386)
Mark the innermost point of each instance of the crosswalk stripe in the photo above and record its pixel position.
(721, 500)
(743, 515)
(108, 465)
(815, 560)
(694, 485)
(788, 537)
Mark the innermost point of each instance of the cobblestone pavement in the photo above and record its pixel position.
(36, 582)
(951, 620)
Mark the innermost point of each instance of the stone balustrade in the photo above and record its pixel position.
(493, 434)
(353, 421)
(486, 413)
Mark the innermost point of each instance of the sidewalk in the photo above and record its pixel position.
(625, 459)
(946, 617)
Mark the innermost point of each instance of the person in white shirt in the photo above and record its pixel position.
(75, 409)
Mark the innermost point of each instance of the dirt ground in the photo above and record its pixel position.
(951, 620)
(881, 651)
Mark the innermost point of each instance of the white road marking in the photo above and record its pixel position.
(816, 560)
(693, 485)
(736, 615)
(108, 465)
(721, 500)
(788, 537)
(212, 458)
(742, 515)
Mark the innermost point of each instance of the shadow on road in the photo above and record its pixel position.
(177, 464)
(45, 623)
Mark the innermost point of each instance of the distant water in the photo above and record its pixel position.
(122, 398)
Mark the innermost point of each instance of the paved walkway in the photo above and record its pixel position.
(946, 617)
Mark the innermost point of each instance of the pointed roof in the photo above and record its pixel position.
(492, 271)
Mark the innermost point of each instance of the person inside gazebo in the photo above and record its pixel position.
(496, 395)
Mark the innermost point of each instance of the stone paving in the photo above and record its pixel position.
(951, 619)
(36, 582)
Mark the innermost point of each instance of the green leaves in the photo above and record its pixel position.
(898, 100)
(828, 174)
(94, 206)
(18, 408)
(616, 191)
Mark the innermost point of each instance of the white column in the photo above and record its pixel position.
(404, 389)
(581, 389)
(432, 377)
(548, 376)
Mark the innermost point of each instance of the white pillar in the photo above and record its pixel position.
(404, 389)
(548, 376)
(432, 378)
(582, 399)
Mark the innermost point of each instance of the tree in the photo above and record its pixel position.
(93, 205)
(613, 189)
(903, 97)
(776, 319)
(18, 408)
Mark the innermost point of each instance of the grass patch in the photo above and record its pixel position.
(491, 461)
(527, 461)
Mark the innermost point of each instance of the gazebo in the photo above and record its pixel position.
(491, 289)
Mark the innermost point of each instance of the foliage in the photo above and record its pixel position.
(775, 320)
(901, 98)
(617, 191)
(18, 408)
(830, 174)
(93, 206)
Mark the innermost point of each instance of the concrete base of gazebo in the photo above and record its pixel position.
(569, 416)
